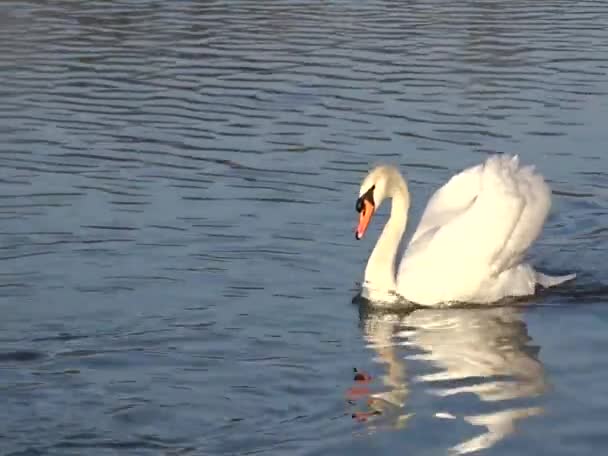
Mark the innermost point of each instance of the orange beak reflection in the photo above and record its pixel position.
(365, 216)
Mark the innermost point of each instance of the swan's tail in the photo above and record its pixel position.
(547, 281)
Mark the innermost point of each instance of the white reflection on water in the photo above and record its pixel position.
(486, 352)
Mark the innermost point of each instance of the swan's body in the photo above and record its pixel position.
(471, 240)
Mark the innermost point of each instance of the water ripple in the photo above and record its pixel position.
(178, 184)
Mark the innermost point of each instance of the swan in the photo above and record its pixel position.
(471, 240)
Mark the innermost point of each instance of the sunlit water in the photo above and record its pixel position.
(178, 182)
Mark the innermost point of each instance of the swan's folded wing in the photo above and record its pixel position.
(537, 196)
(475, 235)
(449, 201)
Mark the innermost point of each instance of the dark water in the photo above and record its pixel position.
(178, 183)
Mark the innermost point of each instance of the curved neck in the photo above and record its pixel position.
(380, 269)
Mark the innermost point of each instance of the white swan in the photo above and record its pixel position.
(471, 240)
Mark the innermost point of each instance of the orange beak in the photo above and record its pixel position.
(365, 217)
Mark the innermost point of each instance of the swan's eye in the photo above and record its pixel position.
(368, 195)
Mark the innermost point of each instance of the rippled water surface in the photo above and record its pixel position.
(178, 183)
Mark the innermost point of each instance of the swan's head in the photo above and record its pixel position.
(381, 182)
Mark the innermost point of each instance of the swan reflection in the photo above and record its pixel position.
(483, 351)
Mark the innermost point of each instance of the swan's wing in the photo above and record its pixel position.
(449, 201)
(494, 230)
(536, 194)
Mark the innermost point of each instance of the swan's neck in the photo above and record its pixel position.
(380, 269)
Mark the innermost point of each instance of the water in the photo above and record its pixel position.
(178, 182)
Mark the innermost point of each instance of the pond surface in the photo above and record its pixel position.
(177, 191)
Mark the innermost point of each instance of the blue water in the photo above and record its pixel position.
(177, 191)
